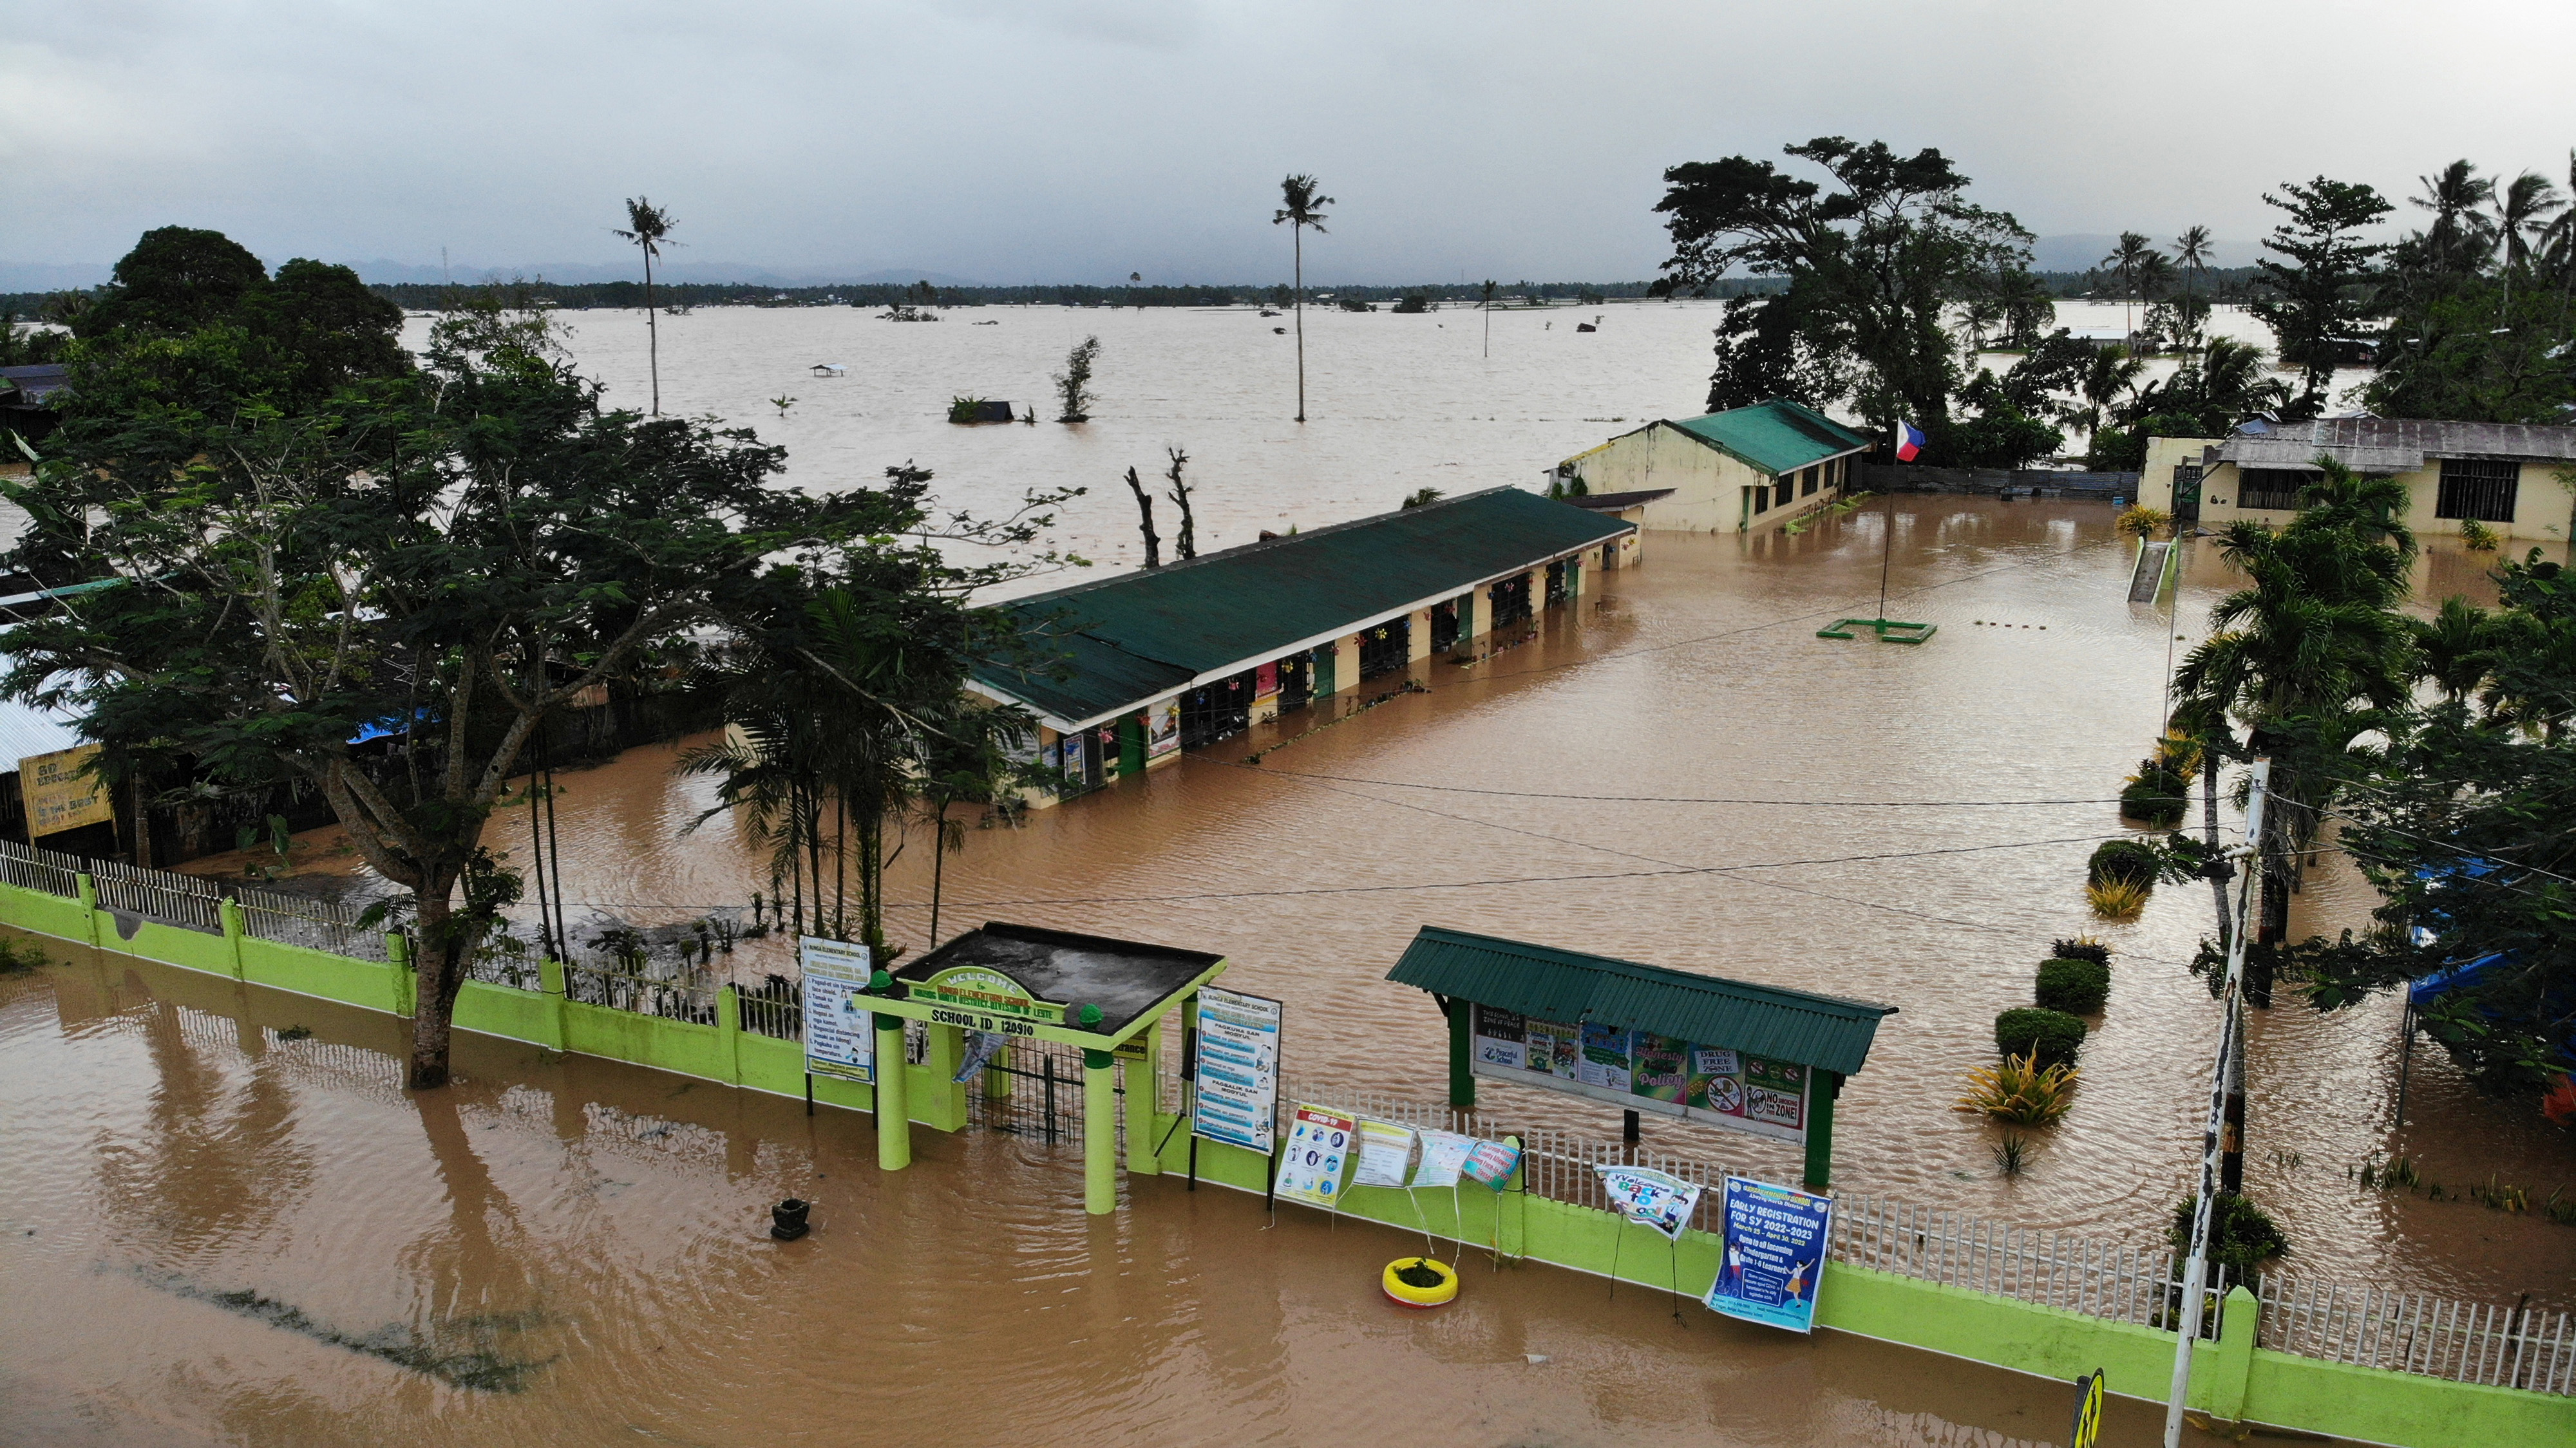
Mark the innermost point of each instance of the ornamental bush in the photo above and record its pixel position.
(2131, 862)
(2081, 947)
(2051, 1038)
(2077, 987)
(2242, 1236)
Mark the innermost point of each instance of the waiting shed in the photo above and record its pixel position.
(1023, 982)
(1760, 1059)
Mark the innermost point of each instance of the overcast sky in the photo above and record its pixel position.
(1017, 140)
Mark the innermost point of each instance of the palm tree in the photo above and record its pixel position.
(2108, 374)
(2125, 259)
(2452, 648)
(649, 227)
(2192, 252)
(2521, 216)
(2457, 237)
(1301, 207)
(1488, 307)
(2296, 655)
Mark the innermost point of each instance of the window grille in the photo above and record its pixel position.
(2479, 488)
(1807, 480)
(2271, 487)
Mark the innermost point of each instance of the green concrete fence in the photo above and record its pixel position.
(2232, 1379)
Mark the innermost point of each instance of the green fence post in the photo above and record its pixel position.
(1462, 1079)
(1822, 1088)
(1511, 1209)
(89, 902)
(1145, 1105)
(406, 984)
(729, 1021)
(230, 912)
(1099, 1134)
(2231, 1366)
(550, 976)
(894, 1117)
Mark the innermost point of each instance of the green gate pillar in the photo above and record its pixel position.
(1099, 1134)
(230, 913)
(1820, 1128)
(1462, 1080)
(1145, 1105)
(894, 1115)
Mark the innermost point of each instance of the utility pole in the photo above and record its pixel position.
(2225, 1133)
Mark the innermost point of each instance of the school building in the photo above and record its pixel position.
(1154, 662)
(2510, 478)
(1728, 471)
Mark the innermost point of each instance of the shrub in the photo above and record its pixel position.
(2116, 899)
(2142, 521)
(2242, 1236)
(2020, 1091)
(20, 956)
(2082, 947)
(2158, 799)
(965, 409)
(2048, 1037)
(2077, 987)
(2134, 862)
(2477, 537)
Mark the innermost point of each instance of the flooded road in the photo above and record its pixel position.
(217, 1230)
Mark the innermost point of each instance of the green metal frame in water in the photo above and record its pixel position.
(1889, 631)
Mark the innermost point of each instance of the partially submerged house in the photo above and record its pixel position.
(1728, 471)
(1156, 661)
(2512, 478)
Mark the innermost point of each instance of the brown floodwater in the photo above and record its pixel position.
(217, 1229)
(1558, 794)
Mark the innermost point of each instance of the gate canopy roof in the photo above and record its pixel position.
(1826, 1032)
(1125, 978)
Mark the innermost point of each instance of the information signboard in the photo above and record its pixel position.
(58, 796)
(1162, 727)
(1775, 1254)
(840, 1031)
(982, 999)
(1321, 1143)
(1650, 1198)
(1642, 1071)
(1236, 1077)
(1386, 1154)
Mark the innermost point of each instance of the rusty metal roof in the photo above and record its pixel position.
(2390, 444)
(1826, 1032)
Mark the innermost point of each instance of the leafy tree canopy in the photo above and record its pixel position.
(2317, 296)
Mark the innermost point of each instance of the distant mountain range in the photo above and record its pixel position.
(2073, 253)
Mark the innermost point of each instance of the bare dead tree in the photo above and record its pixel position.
(1145, 508)
(1187, 545)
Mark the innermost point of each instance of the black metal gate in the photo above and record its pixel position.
(1386, 647)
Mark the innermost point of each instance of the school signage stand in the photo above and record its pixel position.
(1763, 1060)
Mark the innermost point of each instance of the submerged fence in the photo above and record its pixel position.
(1034, 1090)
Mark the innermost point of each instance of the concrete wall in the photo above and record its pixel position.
(2155, 482)
(1708, 485)
(2231, 1378)
(1993, 482)
(2544, 504)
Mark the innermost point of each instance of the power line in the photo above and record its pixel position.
(1652, 798)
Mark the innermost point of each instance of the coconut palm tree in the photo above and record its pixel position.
(2522, 213)
(2458, 238)
(1301, 206)
(2125, 259)
(2296, 656)
(2108, 374)
(649, 227)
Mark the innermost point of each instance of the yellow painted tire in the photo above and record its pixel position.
(1412, 1296)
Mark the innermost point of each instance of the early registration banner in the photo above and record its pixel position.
(840, 1036)
(1775, 1254)
(58, 795)
(1237, 1072)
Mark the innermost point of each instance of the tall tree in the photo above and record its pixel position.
(456, 552)
(2296, 656)
(1872, 264)
(2126, 258)
(2458, 240)
(2522, 215)
(649, 227)
(2316, 300)
(1145, 520)
(1301, 206)
(1186, 543)
(1487, 307)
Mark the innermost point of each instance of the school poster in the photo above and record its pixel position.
(1775, 1254)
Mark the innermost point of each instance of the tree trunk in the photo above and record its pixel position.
(938, 862)
(652, 335)
(1297, 242)
(436, 975)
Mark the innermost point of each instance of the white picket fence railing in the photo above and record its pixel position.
(324, 925)
(2412, 1332)
(31, 867)
(173, 899)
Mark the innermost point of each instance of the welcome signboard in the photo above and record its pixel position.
(1642, 1071)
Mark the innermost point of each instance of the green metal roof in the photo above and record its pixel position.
(1137, 637)
(1778, 436)
(1826, 1032)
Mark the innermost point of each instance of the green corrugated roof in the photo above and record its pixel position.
(1139, 636)
(1778, 436)
(1823, 1031)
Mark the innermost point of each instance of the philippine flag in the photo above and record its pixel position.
(1909, 442)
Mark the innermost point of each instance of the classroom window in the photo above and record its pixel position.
(2271, 487)
(2478, 488)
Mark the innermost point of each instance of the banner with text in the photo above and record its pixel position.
(840, 1030)
(1642, 1071)
(1775, 1254)
(1236, 1076)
